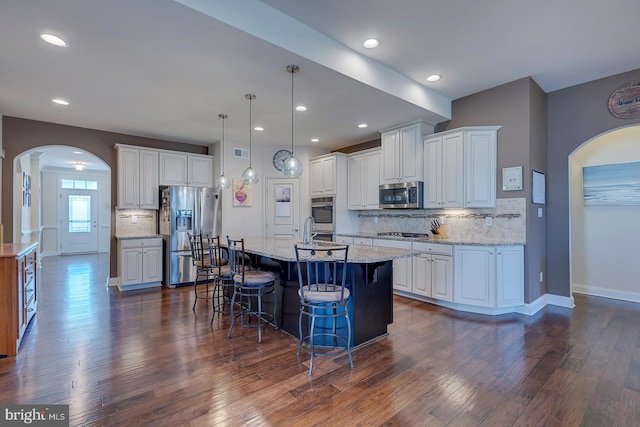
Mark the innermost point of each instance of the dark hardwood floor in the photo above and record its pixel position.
(145, 357)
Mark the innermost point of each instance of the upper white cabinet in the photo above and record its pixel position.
(402, 153)
(461, 168)
(193, 170)
(322, 175)
(363, 179)
(137, 177)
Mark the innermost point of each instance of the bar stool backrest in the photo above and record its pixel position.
(322, 270)
(237, 258)
(197, 250)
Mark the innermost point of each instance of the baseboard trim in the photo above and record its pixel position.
(605, 292)
(113, 281)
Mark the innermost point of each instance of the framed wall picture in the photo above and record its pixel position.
(512, 178)
(537, 188)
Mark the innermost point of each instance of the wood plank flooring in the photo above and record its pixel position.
(145, 358)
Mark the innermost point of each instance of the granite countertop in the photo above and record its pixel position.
(437, 240)
(282, 249)
(146, 236)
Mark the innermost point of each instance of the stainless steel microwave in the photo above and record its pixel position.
(402, 195)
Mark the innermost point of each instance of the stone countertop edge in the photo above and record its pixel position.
(436, 240)
(146, 236)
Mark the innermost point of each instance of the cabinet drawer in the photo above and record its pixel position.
(344, 239)
(433, 248)
(141, 243)
(400, 244)
(362, 241)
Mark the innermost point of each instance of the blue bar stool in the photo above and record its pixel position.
(324, 299)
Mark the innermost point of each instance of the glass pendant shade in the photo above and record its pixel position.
(250, 176)
(223, 182)
(292, 167)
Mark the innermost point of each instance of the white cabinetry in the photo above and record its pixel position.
(461, 168)
(322, 175)
(137, 177)
(348, 240)
(140, 263)
(363, 170)
(193, 170)
(402, 267)
(489, 276)
(433, 271)
(402, 153)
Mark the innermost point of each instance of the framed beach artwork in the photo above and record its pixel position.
(614, 184)
(241, 192)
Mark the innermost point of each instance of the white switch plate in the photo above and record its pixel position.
(488, 221)
(375, 219)
(541, 276)
(134, 219)
(441, 220)
(539, 212)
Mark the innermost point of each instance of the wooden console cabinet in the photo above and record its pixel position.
(18, 293)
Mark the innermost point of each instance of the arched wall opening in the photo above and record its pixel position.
(604, 237)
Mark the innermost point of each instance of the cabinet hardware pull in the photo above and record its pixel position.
(30, 290)
(30, 310)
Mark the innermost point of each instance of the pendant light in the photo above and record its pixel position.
(250, 175)
(292, 167)
(223, 182)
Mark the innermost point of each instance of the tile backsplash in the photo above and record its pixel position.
(131, 222)
(508, 221)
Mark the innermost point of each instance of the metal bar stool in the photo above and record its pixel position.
(203, 270)
(223, 283)
(249, 286)
(324, 299)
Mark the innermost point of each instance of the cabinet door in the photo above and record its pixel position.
(390, 156)
(480, 169)
(510, 276)
(402, 274)
(128, 178)
(329, 176)
(422, 275)
(410, 152)
(474, 276)
(152, 264)
(131, 262)
(371, 178)
(452, 171)
(433, 166)
(149, 192)
(315, 177)
(355, 195)
(200, 171)
(442, 277)
(173, 168)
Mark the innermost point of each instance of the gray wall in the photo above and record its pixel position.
(520, 108)
(575, 115)
(20, 135)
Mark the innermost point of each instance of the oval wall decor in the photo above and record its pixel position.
(624, 103)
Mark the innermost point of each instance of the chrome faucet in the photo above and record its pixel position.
(309, 225)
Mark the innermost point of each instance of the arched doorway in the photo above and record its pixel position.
(62, 198)
(604, 237)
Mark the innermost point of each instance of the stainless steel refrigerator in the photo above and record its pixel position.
(184, 211)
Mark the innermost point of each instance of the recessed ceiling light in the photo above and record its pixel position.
(60, 101)
(258, 128)
(301, 108)
(434, 77)
(370, 43)
(362, 125)
(78, 152)
(78, 166)
(315, 140)
(54, 40)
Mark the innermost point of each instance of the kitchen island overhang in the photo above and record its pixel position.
(369, 279)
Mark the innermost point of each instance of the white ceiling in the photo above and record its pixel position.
(165, 69)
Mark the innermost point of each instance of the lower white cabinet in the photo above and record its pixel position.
(402, 267)
(489, 276)
(433, 271)
(344, 239)
(140, 263)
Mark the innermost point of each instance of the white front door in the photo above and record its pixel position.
(282, 208)
(78, 221)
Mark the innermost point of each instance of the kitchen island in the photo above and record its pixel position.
(369, 279)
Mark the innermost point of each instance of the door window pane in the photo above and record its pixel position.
(79, 214)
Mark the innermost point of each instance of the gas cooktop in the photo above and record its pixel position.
(403, 234)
